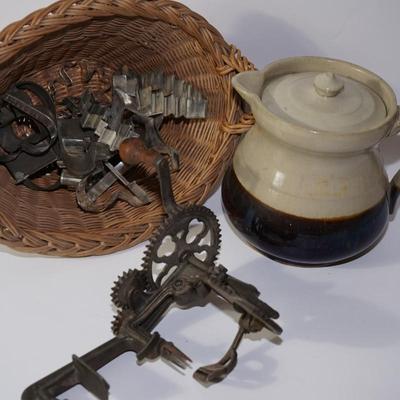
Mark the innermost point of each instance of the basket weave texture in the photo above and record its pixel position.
(103, 35)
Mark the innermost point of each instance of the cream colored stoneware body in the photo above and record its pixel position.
(313, 173)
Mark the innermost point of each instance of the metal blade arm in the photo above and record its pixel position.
(155, 309)
(240, 295)
(256, 308)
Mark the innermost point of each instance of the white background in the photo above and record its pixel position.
(342, 324)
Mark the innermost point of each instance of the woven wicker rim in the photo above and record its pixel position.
(228, 61)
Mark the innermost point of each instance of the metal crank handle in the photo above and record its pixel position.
(134, 152)
(152, 137)
(216, 373)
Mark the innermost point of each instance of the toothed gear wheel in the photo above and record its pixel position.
(190, 231)
(130, 284)
(119, 319)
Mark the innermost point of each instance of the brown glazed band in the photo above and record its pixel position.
(301, 241)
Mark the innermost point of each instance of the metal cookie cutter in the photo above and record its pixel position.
(139, 101)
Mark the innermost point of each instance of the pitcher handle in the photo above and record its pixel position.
(394, 193)
(395, 183)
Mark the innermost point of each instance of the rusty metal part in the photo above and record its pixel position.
(153, 139)
(52, 90)
(83, 369)
(217, 372)
(133, 187)
(63, 79)
(166, 190)
(45, 119)
(63, 76)
(88, 70)
(68, 179)
(96, 143)
(27, 133)
(134, 151)
(204, 243)
(127, 286)
(44, 116)
(88, 193)
(144, 298)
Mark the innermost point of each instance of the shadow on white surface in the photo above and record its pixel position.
(316, 314)
(255, 369)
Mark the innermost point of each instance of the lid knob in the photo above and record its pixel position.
(328, 84)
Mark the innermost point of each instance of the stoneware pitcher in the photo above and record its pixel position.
(307, 185)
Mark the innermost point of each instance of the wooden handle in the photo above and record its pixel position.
(134, 152)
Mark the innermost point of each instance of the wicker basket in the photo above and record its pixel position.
(103, 35)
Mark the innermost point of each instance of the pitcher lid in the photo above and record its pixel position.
(324, 101)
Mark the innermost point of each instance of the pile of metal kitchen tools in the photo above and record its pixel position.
(183, 274)
(91, 146)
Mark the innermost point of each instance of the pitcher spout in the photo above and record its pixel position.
(249, 85)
